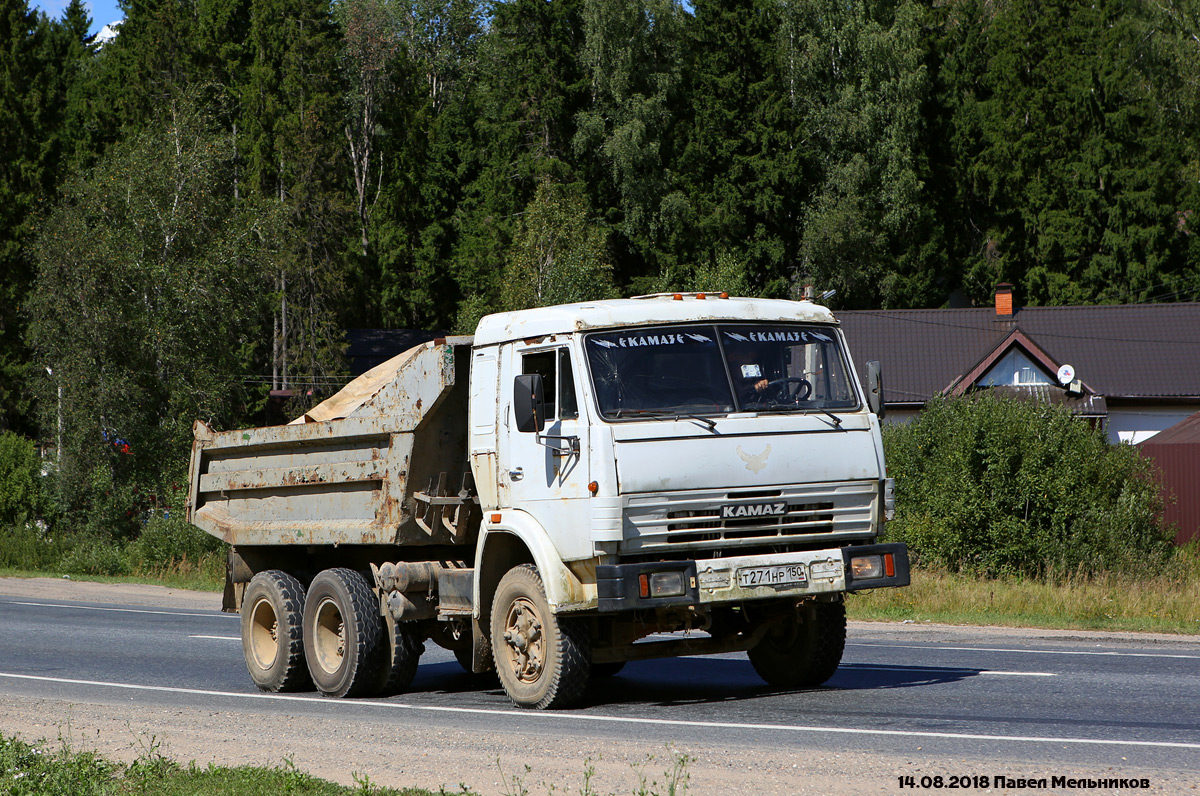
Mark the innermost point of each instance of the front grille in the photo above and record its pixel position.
(841, 510)
(702, 525)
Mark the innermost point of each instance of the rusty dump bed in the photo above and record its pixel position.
(382, 462)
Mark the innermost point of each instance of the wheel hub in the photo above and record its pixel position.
(526, 644)
(329, 636)
(264, 634)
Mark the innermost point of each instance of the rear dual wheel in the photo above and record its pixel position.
(330, 635)
(402, 645)
(272, 643)
(345, 642)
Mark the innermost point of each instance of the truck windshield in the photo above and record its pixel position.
(718, 369)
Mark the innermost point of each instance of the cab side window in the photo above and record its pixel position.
(558, 381)
(544, 364)
(570, 407)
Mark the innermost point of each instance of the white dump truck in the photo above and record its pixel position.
(571, 488)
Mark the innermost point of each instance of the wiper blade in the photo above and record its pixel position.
(708, 421)
(666, 413)
(837, 421)
(642, 412)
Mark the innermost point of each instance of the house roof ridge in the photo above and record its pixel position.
(1142, 351)
(1026, 307)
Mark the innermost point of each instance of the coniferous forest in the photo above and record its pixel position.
(193, 212)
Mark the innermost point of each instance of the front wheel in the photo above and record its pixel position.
(342, 633)
(804, 650)
(543, 661)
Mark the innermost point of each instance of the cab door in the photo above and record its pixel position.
(546, 474)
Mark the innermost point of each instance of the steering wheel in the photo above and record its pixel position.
(786, 393)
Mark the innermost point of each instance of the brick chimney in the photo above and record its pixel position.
(1004, 300)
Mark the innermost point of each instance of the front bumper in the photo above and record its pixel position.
(716, 581)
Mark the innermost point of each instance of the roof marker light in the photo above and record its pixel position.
(724, 295)
(700, 296)
(678, 297)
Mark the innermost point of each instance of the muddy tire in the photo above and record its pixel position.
(272, 632)
(401, 644)
(805, 650)
(342, 633)
(543, 661)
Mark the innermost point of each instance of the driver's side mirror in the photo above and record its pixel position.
(529, 402)
(875, 387)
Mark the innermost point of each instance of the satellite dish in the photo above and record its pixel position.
(1066, 375)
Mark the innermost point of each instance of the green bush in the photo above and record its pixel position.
(21, 499)
(110, 507)
(170, 540)
(998, 486)
(27, 547)
(92, 556)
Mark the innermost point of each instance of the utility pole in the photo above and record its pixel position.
(58, 451)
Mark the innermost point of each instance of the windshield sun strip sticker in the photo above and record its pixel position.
(716, 433)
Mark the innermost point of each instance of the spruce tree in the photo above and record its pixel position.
(739, 164)
(1065, 153)
(531, 88)
(22, 80)
(856, 77)
(633, 53)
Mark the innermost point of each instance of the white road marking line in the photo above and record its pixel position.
(220, 638)
(75, 607)
(588, 717)
(870, 667)
(1028, 652)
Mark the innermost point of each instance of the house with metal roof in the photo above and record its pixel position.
(1133, 369)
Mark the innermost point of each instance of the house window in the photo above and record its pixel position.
(1015, 370)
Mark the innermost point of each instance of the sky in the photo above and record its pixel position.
(102, 12)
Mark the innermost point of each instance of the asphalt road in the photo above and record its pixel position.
(1055, 701)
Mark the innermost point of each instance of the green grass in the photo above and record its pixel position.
(194, 579)
(42, 770)
(1169, 603)
(167, 551)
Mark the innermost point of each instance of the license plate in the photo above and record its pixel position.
(785, 575)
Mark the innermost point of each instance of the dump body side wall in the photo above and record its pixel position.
(391, 473)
